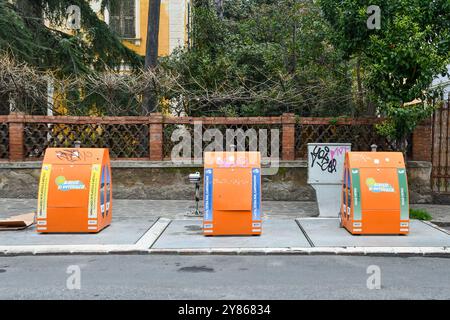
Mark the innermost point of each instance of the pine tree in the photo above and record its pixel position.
(25, 35)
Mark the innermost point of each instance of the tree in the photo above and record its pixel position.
(151, 53)
(261, 57)
(400, 59)
(24, 34)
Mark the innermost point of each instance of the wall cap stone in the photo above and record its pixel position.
(168, 164)
(130, 164)
(419, 164)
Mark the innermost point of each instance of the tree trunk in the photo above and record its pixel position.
(151, 53)
(401, 145)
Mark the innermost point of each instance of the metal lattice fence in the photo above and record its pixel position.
(265, 138)
(129, 141)
(4, 141)
(440, 177)
(158, 137)
(361, 136)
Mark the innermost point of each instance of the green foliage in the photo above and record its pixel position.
(420, 214)
(402, 120)
(401, 58)
(263, 57)
(24, 34)
(13, 33)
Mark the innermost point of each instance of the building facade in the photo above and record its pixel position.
(130, 17)
(443, 83)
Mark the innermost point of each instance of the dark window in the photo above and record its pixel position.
(122, 18)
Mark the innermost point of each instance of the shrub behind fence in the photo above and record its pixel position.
(361, 133)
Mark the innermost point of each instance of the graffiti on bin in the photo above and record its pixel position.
(72, 155)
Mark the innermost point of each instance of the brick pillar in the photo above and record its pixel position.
(288, 138)
(422, 142)
(16, 141)
(156, 137)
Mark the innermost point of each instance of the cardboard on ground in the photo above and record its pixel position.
(18, 222)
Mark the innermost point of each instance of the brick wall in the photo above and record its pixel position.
(422, 142)
(46, 131)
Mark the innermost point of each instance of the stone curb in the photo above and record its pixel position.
(345, 251)
(135, 249)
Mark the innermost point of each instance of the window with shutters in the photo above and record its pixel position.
(122, 18)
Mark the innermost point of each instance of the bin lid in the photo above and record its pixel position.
(73, 156)
(232, 159)
(376, 160)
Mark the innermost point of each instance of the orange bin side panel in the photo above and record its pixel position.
(375, 196)
(381, 222)
(387, 197)
(232, 189)
(233, 223)
(75, 191)
(69, 184)
(232, 193)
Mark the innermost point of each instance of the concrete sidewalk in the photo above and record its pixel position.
(171, 209)
(176, 209)
(144, 226)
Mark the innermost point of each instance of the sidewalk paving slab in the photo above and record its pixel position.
(325, 232)
(187, 234)
(123, 231)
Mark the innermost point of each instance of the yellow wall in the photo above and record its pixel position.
(139, 44)
(163, 49)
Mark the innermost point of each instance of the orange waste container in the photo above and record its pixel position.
(375, 193)
(75, 191)
(232, 193)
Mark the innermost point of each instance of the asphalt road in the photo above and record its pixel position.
(222, 277)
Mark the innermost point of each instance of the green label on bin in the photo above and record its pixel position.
(404, 198)
(356, 188)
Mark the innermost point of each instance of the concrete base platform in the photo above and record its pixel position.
(187, 234)
(325, 232)
(122, 231)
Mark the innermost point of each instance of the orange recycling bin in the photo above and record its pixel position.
(232, 193)
(75, 191)
(375, 193)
